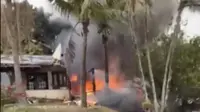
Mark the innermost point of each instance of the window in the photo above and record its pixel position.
(30, 85)
(59, 80)
(37, 81)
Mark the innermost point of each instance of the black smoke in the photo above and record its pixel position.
(120, 44)
(123, 100)
(46, 31)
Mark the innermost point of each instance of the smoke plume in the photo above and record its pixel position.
(120, 45)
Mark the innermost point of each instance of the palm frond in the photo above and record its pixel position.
(66, 7)
(92, 9)
(192, 4)
(85, 9)
(62, 6)
(105, 13)
(116, 4)
(102, 26)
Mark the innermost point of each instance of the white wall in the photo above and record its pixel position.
(50, 94)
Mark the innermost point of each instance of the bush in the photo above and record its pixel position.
(6, 96)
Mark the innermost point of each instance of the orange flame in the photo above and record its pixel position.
(115, 78)
(74, 78)
(115, 82)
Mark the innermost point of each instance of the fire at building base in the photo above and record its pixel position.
(119, 96)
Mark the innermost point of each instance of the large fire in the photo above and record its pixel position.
(116, 81)
(116, 78)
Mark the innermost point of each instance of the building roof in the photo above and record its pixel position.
(28, 60)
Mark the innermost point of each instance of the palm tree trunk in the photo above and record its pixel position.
(15, 47)
(15, 51)
(105, 39)
(84, 69)
(93, 83)
(18, 78)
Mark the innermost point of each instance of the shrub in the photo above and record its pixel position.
(6, 96)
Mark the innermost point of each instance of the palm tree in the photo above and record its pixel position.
(104, 30)
(85, 10)
(114, 12)
(13, 33)
(81, 9)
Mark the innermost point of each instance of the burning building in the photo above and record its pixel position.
(119, 96)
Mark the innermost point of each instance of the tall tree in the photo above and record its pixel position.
(147, 49)
(137, 10)
(104, 30)
(18, 24)
(114, 9)
(25, 40)
(81, 9)
(85, 10)
(175, 36)
(132, 8)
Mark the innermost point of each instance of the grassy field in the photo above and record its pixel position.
(53, 108)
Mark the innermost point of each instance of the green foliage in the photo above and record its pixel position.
(33, 49)
(185, 66)
(90, 9)
(26, 25)
(6, 97)
(30, 48)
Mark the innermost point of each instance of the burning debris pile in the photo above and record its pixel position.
(120, 95)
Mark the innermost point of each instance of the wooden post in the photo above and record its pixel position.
(93, 81)
(49, 76)
(92, 70)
